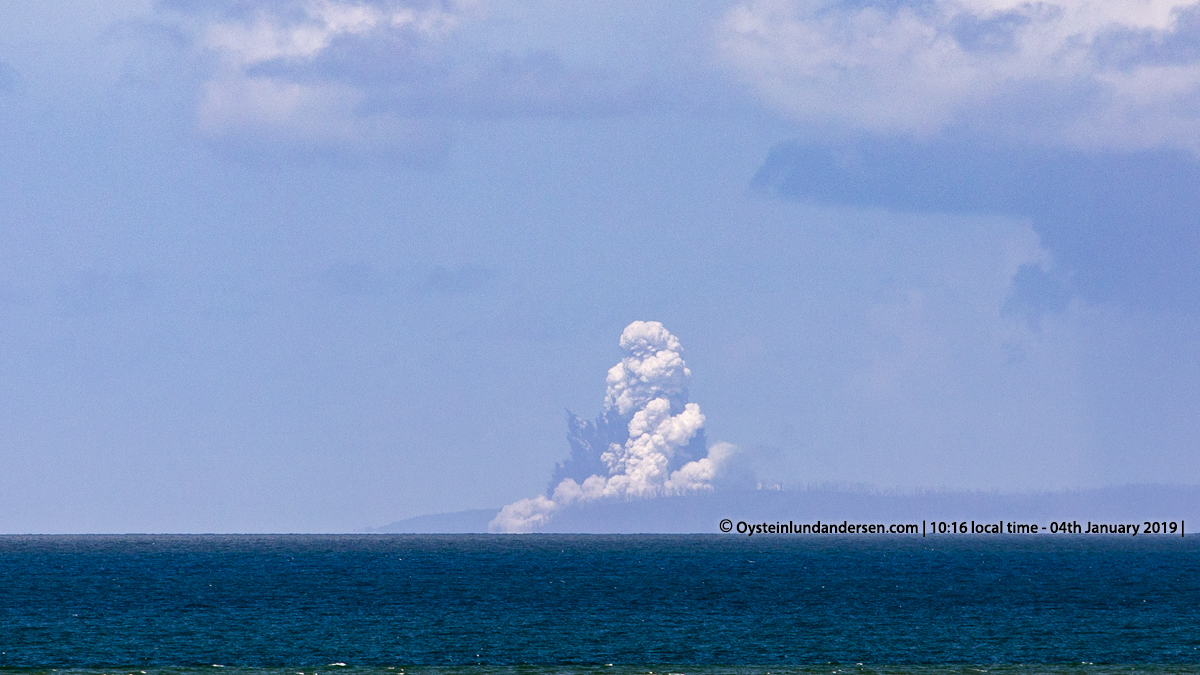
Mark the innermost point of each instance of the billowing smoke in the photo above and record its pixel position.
(648, 443)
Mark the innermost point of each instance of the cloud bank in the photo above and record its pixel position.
(1120, 226)
(1085, 73)
(372, 76)
(648, 442)
(278, 70)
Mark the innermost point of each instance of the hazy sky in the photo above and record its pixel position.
(318, 266)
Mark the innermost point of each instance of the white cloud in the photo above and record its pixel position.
(1045, 70)
(654, 436)
(265, 104)
(380, 73)
(654, 367)
(269, 37)
(699, 475)
(643, 389)
(303, 115)
(293, 104)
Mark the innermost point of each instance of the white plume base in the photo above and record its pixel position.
(534, 514)
(649, 389)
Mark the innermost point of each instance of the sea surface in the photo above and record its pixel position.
(549, 604)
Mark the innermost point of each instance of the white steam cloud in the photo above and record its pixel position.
(648, 443)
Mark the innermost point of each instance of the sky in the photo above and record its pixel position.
(317, 266)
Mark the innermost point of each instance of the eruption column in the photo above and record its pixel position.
(648, 443)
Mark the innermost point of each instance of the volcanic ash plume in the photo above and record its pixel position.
(648, 443)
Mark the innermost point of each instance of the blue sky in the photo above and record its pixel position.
(316, 266)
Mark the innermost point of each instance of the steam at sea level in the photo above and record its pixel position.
(649, 442)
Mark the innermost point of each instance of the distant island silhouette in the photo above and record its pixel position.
(702, 513)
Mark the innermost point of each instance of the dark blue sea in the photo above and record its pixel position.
(533, 604)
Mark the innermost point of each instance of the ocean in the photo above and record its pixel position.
(534, 604)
